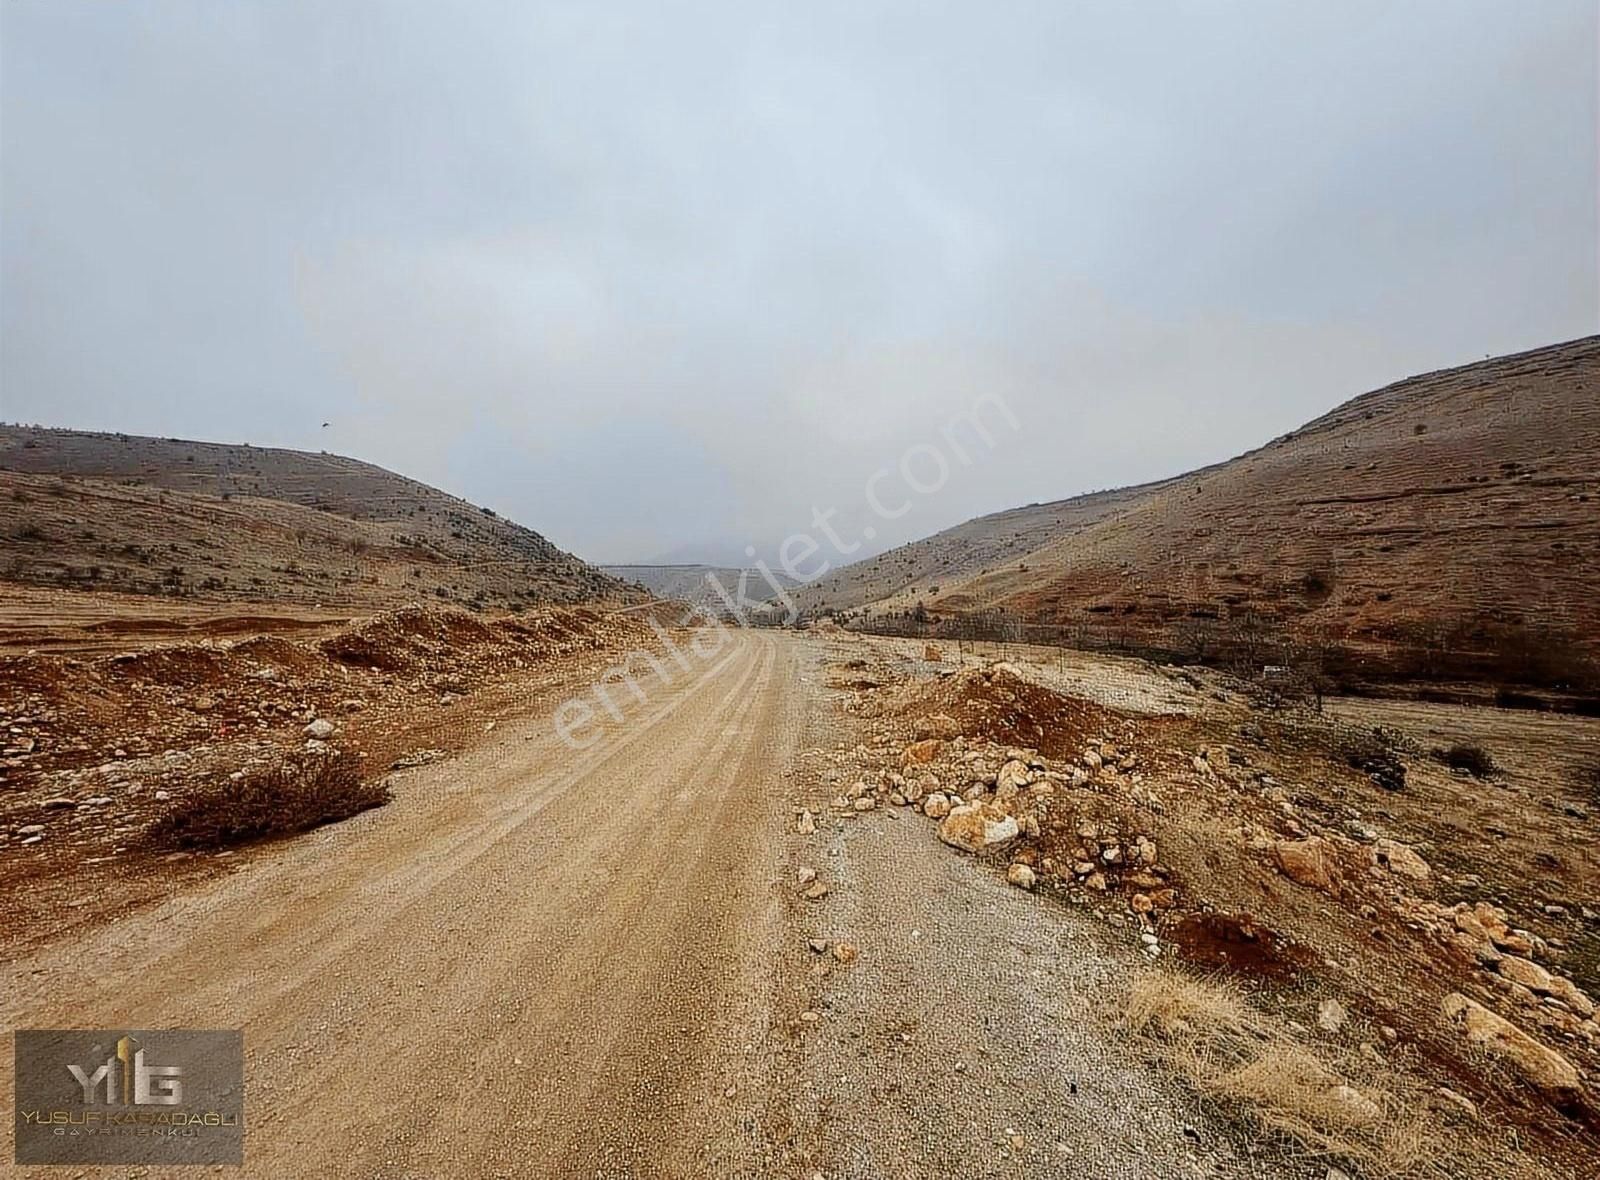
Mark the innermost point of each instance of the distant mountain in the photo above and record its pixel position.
(1447, 525)
(689, 583)
(210, 520)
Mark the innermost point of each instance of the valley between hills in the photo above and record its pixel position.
(1239, 825)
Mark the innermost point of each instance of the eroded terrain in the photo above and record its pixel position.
(833, 905)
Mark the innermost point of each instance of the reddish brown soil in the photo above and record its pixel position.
(1237, 943)
(144, 729)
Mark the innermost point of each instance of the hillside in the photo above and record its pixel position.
(210, 521)
(1443, 527)
(922, 569)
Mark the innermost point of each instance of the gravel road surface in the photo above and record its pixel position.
(541, 963)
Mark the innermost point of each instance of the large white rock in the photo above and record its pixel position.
(1012, 778)
(1541, 1067)
(973, 827)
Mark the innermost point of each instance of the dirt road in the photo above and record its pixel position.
(535, 963)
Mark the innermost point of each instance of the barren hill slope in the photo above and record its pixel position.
(1445, 526)
(920, 569)
(166, 516)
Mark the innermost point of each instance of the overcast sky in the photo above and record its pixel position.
(657, 280)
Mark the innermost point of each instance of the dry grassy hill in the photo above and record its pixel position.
(922, 569)
(115, 512)
(1446, 527)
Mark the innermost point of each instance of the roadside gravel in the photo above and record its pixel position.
(969, 1037)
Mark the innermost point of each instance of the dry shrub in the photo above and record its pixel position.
(1475, 760)
(1207, 1030)
(299, 793)
(1174, 1007)
(1289, 1089)
(1373, 752)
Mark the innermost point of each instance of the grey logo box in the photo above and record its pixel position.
(153, 1096)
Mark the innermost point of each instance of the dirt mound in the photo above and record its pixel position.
(144, 763)
(270, 651)
(417, 638)
(377, 645)
(182, 666)
(998, 704)
(1237, 943)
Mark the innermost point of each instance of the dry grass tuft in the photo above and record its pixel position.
(1338, 1110)
(1176, 1007)
(299, 793)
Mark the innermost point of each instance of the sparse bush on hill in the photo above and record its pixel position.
(300, 793)
(1475, 760)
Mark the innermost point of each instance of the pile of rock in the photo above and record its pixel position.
(1507, 956)
(1484, 932)
(1105, 856)
(987, 799)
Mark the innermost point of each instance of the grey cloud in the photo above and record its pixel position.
(661, 280)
